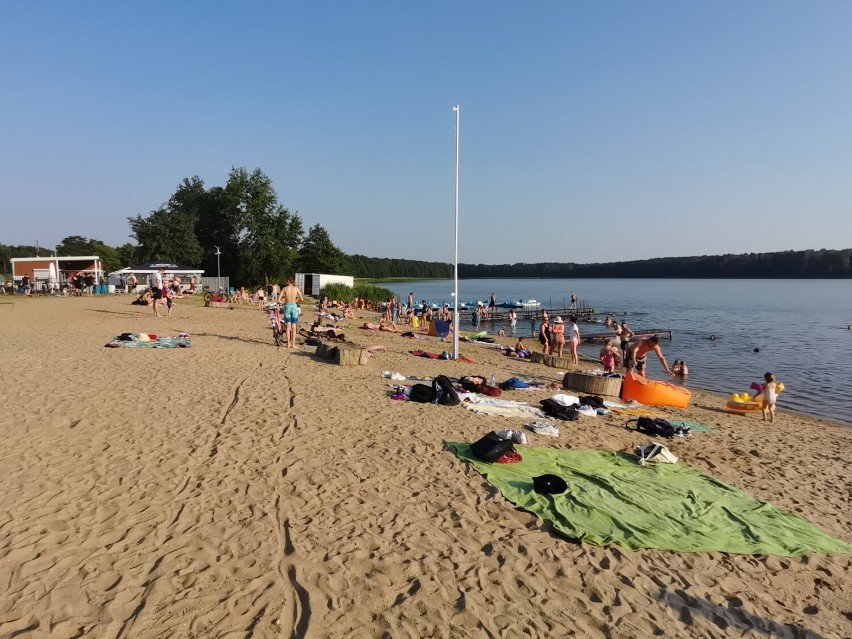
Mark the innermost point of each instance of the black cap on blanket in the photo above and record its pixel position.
(549, 484)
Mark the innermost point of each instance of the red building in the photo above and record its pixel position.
(54, 272)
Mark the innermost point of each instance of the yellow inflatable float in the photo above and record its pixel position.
(743, 402)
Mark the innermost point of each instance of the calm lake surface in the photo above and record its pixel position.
(799, 327)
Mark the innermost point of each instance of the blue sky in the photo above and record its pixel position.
(594, 131)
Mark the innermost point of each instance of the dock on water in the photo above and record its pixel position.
(584, 315)
(502, 314)
(599, 338)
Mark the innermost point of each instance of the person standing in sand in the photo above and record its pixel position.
(625, 335)
(558, 334)
(609, 356)
(770, 396)
(291, 296)
(544, 335)
(157, 290)
(573, 339)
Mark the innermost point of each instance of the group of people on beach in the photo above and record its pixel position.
(554, 337)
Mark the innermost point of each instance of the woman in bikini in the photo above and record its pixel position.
(573, 339)
(558, 333)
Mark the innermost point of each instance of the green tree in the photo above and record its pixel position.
(320, 255)
(166, 235)
(269, 235)
(126, 254)
(77, 245)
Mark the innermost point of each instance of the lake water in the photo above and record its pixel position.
(799, 327)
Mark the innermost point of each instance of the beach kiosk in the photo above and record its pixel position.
(144, 272)
(50, 274)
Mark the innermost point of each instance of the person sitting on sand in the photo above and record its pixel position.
(637, 354)
(389, 326)
(609, 355)
(521, 349)
(145, 298)
(327, 331)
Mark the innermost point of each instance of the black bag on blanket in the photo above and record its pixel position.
(591, 400)
(650, 426)
(422, 393)
(490, 448)
(557, 410)
(443, 388)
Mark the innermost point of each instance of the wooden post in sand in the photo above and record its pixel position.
(348, 356)
(343, 355)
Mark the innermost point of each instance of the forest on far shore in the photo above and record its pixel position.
(821, 264)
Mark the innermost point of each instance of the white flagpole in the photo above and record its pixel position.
(457, 305)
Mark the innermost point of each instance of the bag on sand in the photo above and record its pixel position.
(443, 388)
(478, 385)
(660, 427)
(490, 448)
(422, 393)
(655, 452)
(557, 410)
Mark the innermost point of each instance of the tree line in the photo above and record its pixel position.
(242, 231)
(828, 264)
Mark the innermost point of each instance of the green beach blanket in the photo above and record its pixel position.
(695, 427)
(130, 340)
(612, 500)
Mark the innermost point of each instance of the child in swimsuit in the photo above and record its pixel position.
(770, 395)
(608, 356)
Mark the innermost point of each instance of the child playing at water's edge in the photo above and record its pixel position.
(770, 395)
(609, 355)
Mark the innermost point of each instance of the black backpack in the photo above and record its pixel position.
(491, 447)
(447, 395)
(650, 426)
(557, 410)
(422, 393)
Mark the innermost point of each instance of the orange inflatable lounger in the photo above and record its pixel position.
(653, 393)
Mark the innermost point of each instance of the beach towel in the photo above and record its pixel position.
(131, 340)
(611, 499)
(429, 355)
(524, 412)
(694, 427)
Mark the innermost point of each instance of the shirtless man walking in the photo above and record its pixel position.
(291, 296)
(637, 355)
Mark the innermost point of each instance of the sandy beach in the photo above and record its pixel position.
(233, 489)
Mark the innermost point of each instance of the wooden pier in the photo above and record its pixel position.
(502, 314)
(599, 338)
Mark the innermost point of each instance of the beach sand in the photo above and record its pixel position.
(233, 489)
